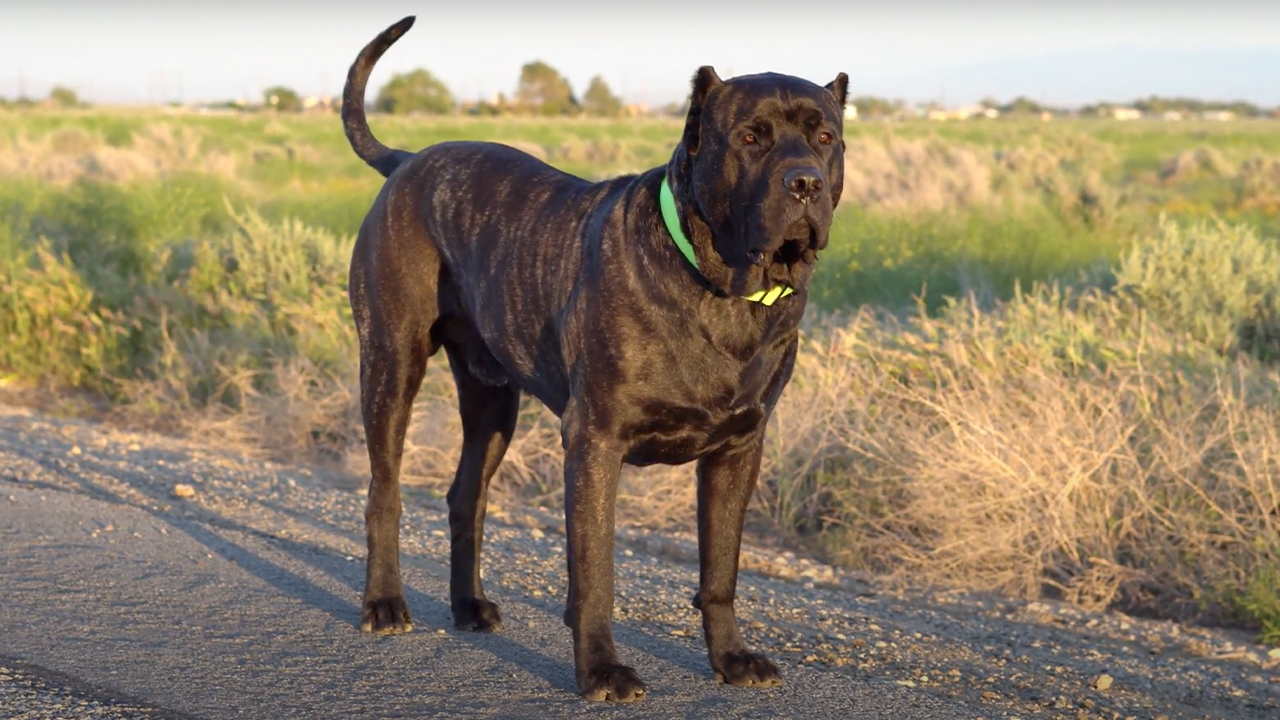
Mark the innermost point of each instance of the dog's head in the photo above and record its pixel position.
(761, 163)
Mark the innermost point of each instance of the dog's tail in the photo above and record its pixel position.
(382, 158)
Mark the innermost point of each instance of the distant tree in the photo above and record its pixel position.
(599, 100)
(1156, 105)
(480, 107)
(876, 107)
(64, 97)
(1021, 105)
(415, 91)
(543, 90)
(281, 99)
(1246, 109)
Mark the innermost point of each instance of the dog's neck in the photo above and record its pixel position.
(671, 218)
(706, 262)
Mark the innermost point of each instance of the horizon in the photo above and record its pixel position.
(141, 52)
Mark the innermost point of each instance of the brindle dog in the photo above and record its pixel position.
(656, 337)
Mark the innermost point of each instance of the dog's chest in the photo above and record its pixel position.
(676, 433)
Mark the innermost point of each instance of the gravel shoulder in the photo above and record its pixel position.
(121, 599)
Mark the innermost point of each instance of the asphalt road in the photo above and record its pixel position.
(119, 599)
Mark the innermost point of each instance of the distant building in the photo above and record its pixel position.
(850, 112)
(1172, 115)
(1126, 113)
(318, 104)
(1218, 115)
(963, 112)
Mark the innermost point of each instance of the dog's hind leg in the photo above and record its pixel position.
(488, 421)
(395, 310)
(389, 380)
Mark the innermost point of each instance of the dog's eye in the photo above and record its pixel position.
(825, 138)
(749, 139)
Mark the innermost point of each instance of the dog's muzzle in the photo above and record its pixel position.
(804, 183)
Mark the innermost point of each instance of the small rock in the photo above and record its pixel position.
(537, 534)
(134, 447)
(75, 450)
(1103, 682)
(182, 490)
(1274, 654)
(1197, 648)
(990, 695)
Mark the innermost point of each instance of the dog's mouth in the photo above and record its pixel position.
(798, 242)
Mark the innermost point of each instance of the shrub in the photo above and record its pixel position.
(1217, 282)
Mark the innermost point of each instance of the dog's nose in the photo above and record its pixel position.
(804, 184)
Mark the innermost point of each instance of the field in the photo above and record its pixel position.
(1041, 357)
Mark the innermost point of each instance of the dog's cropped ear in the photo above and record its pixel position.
(840, 88)
(703, 82)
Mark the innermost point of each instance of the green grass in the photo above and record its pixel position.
(888, 260)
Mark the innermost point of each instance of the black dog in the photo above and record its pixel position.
(656, 314)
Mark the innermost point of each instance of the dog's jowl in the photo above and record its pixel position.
(656, 314)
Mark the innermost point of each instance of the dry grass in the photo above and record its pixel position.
(932, 174)
(72, 153)
(941, 452)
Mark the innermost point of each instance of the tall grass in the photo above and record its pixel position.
(1034, 364)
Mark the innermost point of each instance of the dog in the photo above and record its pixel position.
(656, 314)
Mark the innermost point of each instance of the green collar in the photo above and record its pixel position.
(671, 216)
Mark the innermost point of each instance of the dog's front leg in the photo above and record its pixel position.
(591, 485)
(726, 480)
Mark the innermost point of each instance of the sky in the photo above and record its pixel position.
(1059, 52)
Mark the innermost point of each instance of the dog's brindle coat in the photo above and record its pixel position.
(537, 281)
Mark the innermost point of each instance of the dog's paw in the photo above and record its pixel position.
(746, 669)
(386, 616)
(612, 682)
(476, 614)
